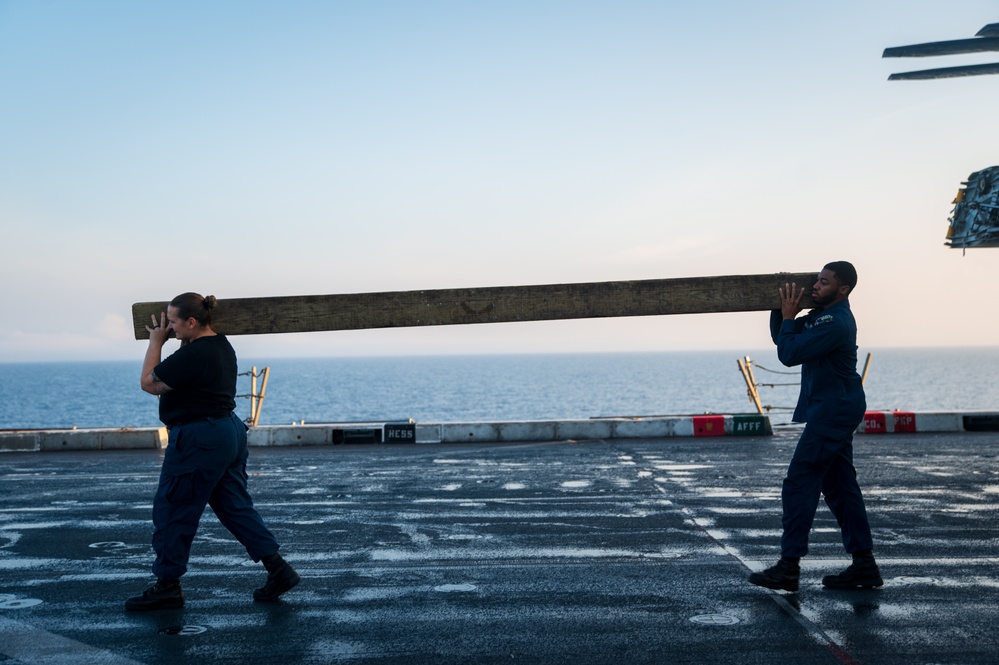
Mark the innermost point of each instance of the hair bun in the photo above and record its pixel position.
(209, 302)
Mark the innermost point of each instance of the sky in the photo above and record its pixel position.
(248, 148)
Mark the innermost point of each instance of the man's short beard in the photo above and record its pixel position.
(820, 301)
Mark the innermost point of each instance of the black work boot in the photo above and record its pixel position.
(281, 577)
(782, 576)
(863, 573)
(164, 595)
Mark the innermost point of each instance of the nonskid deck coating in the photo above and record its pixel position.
(597, 552)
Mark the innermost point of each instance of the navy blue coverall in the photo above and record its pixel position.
(832, 404)
(205, 461)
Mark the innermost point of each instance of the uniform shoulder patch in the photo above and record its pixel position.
(825, 318)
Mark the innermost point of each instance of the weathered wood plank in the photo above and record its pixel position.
(691, 295)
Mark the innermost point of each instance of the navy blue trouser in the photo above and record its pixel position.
(205, 464)
(823, 464)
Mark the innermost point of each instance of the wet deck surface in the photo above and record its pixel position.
(594, 552)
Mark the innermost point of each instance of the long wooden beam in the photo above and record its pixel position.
(292, 314)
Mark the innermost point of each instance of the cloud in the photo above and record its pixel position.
(697, 246)
(108, 339)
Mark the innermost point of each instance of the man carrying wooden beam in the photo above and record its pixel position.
(832, 403)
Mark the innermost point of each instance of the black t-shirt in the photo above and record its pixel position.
(203, 377)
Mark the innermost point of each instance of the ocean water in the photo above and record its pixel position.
(494, 388)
